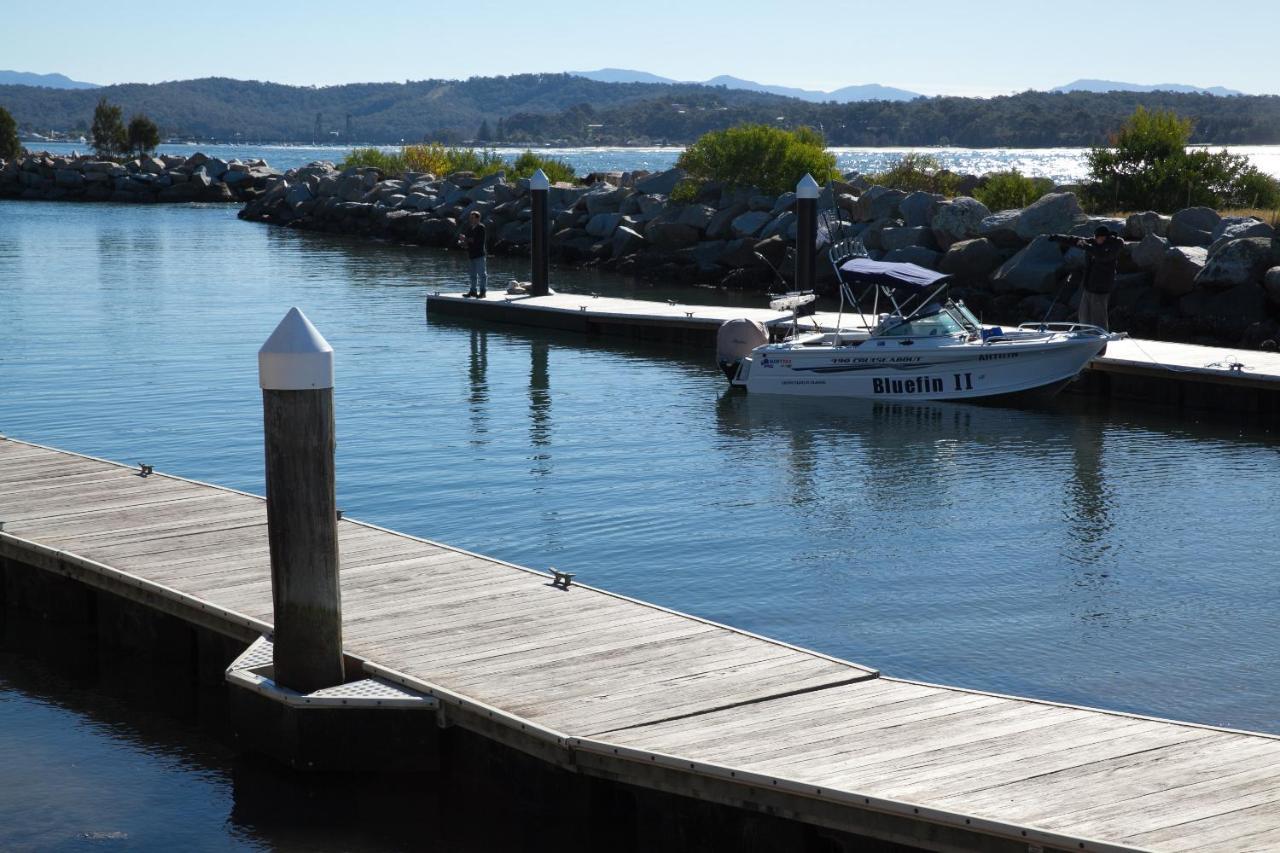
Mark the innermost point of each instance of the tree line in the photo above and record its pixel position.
(528, 109)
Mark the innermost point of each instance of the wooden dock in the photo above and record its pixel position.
(1181, 375)
(600, 684)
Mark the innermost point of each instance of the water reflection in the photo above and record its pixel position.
(478, 378)
(540, 406)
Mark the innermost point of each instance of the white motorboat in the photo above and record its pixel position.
(923, 348)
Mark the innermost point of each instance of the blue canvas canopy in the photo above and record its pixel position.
(910, 276)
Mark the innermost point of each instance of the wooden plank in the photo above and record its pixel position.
(1250, 828)
(1102, 784)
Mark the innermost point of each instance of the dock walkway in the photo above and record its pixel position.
(603, 684)
(1247, 381)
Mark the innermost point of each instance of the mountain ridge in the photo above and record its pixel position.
(845, 94)
(48, 81)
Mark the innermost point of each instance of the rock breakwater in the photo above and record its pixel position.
(1193, 276)
(50, 177)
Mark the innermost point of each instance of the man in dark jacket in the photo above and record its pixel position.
(473, 240)
(1101, 254)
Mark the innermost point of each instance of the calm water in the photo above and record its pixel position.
(1109, 558)
(1059, 164)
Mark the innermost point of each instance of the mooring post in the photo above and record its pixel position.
(539, 189)
(806, 231)
(295, 370)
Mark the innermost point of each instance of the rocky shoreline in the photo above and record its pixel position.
(145, 180)
(1193, 276)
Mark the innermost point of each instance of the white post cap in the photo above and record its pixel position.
(296, 357)
(539, 181)
(807, 187)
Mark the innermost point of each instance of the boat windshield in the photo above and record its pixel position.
(937, 322)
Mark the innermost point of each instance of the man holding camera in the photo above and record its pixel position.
(1101, 254)
(473, 239)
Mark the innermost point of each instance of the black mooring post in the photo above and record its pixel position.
(539, 189)
(806, 232)
(295, 370)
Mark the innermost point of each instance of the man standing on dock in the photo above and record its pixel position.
(1101, 254)
(473, 240)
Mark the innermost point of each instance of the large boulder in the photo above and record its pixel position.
(785, 202)
(297, 194)
(69, 178)
(1139, 225)
(956, 220)
(917, 208)
(1176, 275)
(662, 183)
(604, 200)
(603, 224)
(721, 224)
(1239, 261)
(1055, 213)
(971, 259)
(1036, 269)
(1193, 226)
(878, 203)
(749, 223)
(626, 241)
(1148, 253)
(1235, 307)
(784, 223)
(1242, 226)
(901, 238)
(1001, 228)
(1271, 284)
(1237, 227)
(697, 215)
(670, 235)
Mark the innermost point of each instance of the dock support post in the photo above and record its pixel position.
(539, 189)
(806, 232)
(295, 371)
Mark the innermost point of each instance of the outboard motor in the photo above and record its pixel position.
(735, 340)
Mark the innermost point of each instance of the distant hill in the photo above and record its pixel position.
(1115, 86)
(621, 75)
(218, 108)
(532, 109)
(867, 92)
(52, 81)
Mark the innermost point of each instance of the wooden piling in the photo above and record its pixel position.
(806, 232)
(295, 368)
(539, 189)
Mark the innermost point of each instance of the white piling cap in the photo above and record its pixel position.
(296, 357)
(539, 181)
(807, 187)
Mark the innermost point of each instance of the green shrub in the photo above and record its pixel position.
(1007, 190)
(915, 171)
(389, 163)
(441, 160)
(527, 163)
(686, 192)
(10, 148)
(757, 155)
(1148, 166)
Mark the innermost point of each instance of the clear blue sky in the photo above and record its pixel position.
(926, 46)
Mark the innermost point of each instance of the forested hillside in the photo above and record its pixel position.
(562, 108)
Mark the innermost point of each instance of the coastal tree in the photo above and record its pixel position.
(10, 148)
(108, 134)
(142, 134)
(1148, 165)
(484, 134)
(770, 158)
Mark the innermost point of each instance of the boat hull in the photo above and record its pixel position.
(896, 374)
